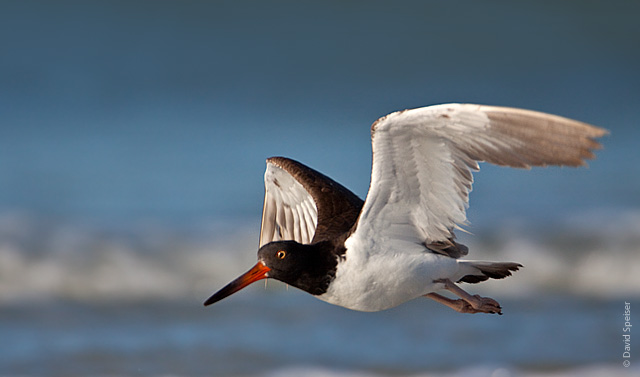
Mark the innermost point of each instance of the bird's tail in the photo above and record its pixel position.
(477, 271)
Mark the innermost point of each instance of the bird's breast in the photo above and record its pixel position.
(378, 279)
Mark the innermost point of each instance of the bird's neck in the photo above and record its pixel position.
(320, 269)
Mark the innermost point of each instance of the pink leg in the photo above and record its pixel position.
(467, 303)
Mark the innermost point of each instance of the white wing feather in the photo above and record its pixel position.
(289, 211)
(423, 160)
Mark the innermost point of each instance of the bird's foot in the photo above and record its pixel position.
(479, 305)
(467, 303)
(485, 305)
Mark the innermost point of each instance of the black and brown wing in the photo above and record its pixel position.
(303, 205)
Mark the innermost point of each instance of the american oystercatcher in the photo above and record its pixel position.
(399, 243)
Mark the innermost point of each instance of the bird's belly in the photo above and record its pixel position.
(382, 281)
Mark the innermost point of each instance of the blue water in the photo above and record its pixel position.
(132, 144)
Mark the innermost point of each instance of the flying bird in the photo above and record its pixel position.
(399, 243)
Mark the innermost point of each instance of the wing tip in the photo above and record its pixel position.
(276, 160)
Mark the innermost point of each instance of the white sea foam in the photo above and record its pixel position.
(477, 371)
(40, 259)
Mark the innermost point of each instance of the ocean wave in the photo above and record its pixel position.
(51, 259)
(42, 259)
(476, 371)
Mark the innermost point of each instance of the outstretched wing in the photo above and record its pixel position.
(303, 205)
(423, 159)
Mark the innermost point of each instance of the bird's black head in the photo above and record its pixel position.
(308, 267)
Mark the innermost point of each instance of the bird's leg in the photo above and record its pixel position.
(467, 302)
(459, 305)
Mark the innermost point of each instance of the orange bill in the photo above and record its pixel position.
(258, 272)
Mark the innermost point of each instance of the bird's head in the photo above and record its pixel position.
(306, 267)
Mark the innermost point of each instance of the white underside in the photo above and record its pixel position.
(385, 276)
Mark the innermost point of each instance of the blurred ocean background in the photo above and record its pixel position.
(133, 136)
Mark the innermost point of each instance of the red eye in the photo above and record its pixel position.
(281, 254)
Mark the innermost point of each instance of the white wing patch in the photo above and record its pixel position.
(289, 212)
(423, 160)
